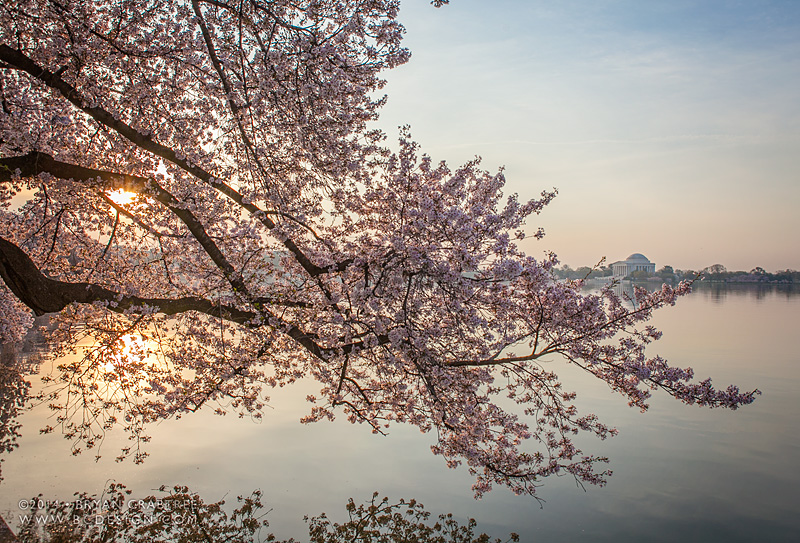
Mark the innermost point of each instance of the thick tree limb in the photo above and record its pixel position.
(45, 295)
(35, 163)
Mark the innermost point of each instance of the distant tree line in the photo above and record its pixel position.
(719, 274)
(716, 274)
(584, 272)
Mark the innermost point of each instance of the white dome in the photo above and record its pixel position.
(638, 257)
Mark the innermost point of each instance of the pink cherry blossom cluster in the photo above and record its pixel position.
(270, 236)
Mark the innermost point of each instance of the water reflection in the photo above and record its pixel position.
(179, 514)
(13, 393)
(713, 292)
(717, 292)
(681, 473)
(17, 360)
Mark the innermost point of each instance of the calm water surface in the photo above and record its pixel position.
(680, 472)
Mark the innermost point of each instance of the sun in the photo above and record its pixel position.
(130, 351)
(121, 197)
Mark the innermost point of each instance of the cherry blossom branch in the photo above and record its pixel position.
(561, 346)
(35, 163)
(139, 222)
(17, 59)
(44, 295)
(235, 110)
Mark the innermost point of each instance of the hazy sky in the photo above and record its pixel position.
(670, 128)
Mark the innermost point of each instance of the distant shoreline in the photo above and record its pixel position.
(713, 274)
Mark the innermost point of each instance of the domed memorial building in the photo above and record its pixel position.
(635, 262)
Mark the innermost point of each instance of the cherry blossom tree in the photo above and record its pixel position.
(193, 187)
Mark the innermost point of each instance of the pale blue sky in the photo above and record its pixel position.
(670, 128)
